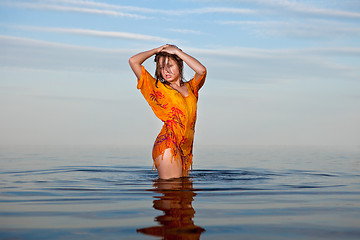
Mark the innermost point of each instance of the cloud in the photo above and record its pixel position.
(155, 10)
(299, 29)
(96, 33)
(41, 6)
(263, 7)
(221, 10)
(102, 5)
(255, 64)
(24, 53)
(271, 7)
(279, 65)
(185, 31)
(258, 53)
(113, 9)
(311, 10)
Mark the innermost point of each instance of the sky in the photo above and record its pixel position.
(279, 72)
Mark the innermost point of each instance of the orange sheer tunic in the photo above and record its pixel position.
(178, 113)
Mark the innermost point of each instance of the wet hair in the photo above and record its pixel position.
(164, 56)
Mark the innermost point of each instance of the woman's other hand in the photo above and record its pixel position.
(172, 49)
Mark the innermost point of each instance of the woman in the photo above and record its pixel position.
(174, 102)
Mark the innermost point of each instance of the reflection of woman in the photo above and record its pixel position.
(175, 202)
(174, 102)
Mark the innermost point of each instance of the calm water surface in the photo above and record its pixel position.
(233, 192)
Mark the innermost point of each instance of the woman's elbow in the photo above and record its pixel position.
(131, 61)
(134, 64)
(202, 70)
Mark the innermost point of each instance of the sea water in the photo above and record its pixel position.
(232, 193)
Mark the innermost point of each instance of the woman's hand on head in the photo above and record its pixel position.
(172, 49)
(160, 49)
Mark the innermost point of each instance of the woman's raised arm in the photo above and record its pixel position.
(136, 60)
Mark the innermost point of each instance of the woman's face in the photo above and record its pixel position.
(169, 69)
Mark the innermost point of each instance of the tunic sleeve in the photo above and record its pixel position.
(143, 78)
(197, 84)
(154, 95)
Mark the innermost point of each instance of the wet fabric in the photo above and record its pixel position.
(177, 112)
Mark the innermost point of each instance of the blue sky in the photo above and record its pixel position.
(279, 72)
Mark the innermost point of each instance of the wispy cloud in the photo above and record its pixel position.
(96, 33)
(222, 53)
(256, 64)
(296, 7)
(259, 65)
(25, 53)
(260, 53)
(42, 6)
(308, 9)
(185, 31)
(303, 29)
(156, 10)
(221, 10)
(120, 10)
(103, 5)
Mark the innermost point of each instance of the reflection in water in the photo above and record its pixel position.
(176, 223)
